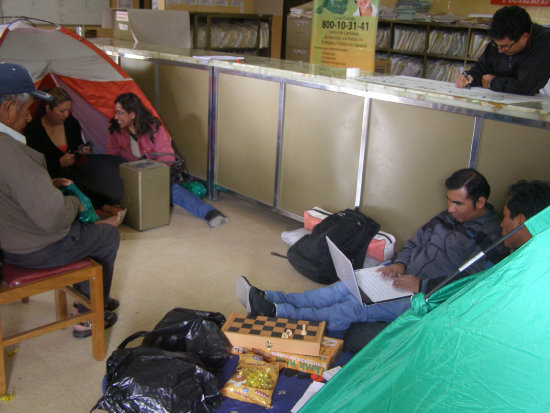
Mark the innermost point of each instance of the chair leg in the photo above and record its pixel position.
(61, 305)
(3, 384)
(98, 321)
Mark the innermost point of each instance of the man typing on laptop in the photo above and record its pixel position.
(438, 248)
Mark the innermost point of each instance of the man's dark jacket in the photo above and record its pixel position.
(524, 73)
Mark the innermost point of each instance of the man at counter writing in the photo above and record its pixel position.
(518, 58)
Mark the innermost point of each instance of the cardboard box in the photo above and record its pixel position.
(297, 54)
(268, 333)
(381, 66)
(331, 348)
(298, 32)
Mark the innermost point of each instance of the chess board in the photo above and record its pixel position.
(275, 334)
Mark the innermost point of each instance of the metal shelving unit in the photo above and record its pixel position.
(426, 28)
(209, 20)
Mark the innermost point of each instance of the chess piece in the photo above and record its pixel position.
(304, 331)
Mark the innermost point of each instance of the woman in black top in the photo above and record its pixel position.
(58, 135)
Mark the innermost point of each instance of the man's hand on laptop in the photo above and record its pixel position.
(392, 271)
(407, 282)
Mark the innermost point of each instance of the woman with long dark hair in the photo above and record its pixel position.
(58, 136)
(136, 132)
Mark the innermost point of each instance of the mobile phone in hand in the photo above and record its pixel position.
(80, 147)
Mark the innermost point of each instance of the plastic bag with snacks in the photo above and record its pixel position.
(253, 381)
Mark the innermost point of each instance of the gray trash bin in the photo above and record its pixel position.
(146, 194)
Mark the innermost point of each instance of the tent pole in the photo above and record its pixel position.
(474, 259)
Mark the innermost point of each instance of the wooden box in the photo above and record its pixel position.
(331, 348)
(381, 66)
(266, 333)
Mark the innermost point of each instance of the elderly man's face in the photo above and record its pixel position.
(15, 116)
(22, 116)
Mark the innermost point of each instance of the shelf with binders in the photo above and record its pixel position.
(224, 32)
(479, 39)
(443, 69)
(453, 45)
(407, 39)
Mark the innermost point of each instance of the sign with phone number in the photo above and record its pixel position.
(344, 33)
(524, 3)
(343, 25)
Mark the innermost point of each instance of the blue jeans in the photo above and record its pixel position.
(189, 201)
(336, 305)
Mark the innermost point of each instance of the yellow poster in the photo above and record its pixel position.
(344, 33)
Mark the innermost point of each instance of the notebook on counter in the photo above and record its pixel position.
(367, 285)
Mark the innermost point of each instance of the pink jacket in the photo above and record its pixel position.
(119, 144)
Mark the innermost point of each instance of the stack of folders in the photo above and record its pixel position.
(445, 43)
(443, 70)
(478, 44)
(383, 38)
(406, 65)
(409, 39)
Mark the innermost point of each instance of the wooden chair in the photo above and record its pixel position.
(24, 282)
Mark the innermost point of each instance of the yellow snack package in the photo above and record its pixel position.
(253, 381)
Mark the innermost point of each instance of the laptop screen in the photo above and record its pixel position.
(344, 269)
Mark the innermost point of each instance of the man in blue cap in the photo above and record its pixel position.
(38, 225)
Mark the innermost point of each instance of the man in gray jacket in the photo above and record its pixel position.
(438, 248)
(38, 225)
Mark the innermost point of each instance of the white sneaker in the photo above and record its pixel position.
(243, 291)
(215, 218)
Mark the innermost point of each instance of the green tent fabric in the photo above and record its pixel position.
(484, 345)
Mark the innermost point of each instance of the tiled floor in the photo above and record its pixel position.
(185, 264)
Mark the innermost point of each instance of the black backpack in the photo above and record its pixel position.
(351, 232)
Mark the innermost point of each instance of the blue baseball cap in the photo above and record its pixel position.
(15, 79)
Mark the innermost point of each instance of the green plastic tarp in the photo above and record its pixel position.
(482, 346)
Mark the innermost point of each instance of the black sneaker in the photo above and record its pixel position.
(215, 218)
(110, 305)
(259, 305)
(242, 286)
(83, 330)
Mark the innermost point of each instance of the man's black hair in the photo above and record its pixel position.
(528, 198)
(468, 178)
(510, 22)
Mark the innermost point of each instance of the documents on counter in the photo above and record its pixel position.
(237, 59)
(447, 88)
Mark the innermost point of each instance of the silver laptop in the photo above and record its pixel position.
(367, 285)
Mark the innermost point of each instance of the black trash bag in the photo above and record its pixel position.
(194, 331)
(146, 379)
(358, 335)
